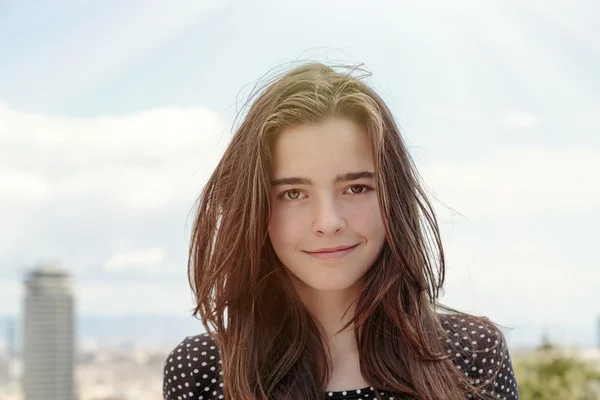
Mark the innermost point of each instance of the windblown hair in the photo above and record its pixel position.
(271, 347)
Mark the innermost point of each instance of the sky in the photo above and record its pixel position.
(113, 114)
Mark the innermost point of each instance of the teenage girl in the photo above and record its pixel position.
(316, 262)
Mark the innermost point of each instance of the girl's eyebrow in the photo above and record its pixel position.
(348, 176)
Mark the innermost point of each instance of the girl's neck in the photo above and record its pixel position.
(333, 309)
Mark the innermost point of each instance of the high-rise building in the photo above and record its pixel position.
(49, 335)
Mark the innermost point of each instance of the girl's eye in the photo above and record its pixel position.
(294, 194)
(362, 189)
(291, 197)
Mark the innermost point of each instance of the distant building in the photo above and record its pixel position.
(49, 336)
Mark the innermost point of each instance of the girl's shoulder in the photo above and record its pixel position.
(474, 344)
(478, 348)
(192, 368)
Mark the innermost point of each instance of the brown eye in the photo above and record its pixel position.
(292, 197)
(360, 188)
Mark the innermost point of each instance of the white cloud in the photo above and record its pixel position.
(522, 119)
(122, 298)
(80, 189)
(145, 160)
(21, 185)
(518, 181)
(141, 259)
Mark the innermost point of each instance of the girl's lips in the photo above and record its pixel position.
(332, 255)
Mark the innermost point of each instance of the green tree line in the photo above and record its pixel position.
(551, 373)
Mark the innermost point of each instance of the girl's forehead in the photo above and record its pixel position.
(339, 143)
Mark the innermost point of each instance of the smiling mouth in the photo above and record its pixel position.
(332, 255)
(333, 250)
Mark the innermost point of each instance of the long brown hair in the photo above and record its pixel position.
(270, 345)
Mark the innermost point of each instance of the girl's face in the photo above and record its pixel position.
(323, 196)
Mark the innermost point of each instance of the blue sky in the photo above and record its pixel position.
(112, 115)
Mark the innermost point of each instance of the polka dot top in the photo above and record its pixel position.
(192, 370)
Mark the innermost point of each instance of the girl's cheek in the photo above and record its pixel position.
(293, 217)
(284, 216)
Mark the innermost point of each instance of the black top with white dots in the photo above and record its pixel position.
(192, 369)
